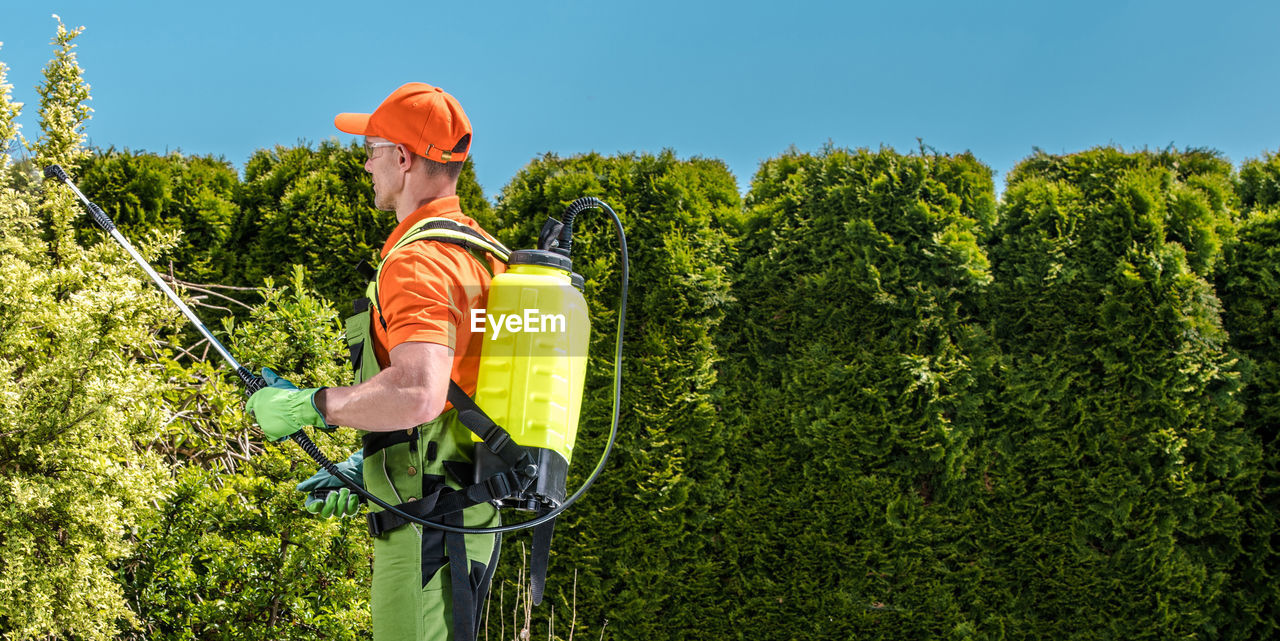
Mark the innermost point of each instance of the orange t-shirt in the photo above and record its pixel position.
(427, 290)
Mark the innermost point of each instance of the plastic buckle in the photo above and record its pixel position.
(498, 486)
(497, 440)
(375, 524)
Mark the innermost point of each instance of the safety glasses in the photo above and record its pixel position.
(370, 146)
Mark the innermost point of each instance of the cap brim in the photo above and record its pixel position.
(357, 124)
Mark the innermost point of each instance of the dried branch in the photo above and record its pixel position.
(208, 290)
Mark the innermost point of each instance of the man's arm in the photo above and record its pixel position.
(409, 392)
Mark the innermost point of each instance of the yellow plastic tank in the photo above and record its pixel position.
(534, 358)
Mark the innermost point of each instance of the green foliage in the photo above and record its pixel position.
(78, 385)
(233, 555)
(1195, 214)
(643, 538)
(144, 193)
(1260, 182)
(1116, 475)
(1250, 289)
(853, 370)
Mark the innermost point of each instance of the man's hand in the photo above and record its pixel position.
(328, 496)
(282, 409)
(337, 503)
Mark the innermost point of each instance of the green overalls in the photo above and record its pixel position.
(415, 584)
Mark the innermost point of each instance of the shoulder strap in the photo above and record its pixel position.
(446, 231)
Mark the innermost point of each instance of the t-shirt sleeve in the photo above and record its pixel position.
(417, 302)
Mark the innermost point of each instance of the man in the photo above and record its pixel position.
(411, 338)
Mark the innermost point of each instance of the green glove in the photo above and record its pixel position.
(282, 409)
(340, 503)
(328, 496)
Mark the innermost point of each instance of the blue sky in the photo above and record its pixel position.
(738, 81)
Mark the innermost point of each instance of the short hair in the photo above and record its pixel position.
(450, 169)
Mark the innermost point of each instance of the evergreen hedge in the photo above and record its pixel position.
(1115, 463)
(145, 193)
(853, 369)
(1249, 285)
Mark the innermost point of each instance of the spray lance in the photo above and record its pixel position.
(543, 489)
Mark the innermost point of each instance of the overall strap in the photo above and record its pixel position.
(464, 596)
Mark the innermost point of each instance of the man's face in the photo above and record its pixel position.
(381, 165)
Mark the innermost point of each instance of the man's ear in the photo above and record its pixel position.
(405, 159)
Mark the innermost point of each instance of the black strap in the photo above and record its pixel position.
(541, 558)
(374, 442)
(486, 579)
(448, 501)
(498, 440)
(464, 605)
(382, 522)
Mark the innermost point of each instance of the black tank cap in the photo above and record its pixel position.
(540, 257)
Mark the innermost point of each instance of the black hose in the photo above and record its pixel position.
(576, 207)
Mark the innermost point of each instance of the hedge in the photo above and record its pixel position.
(1249, 285)
(1118, 466)
(854, 372)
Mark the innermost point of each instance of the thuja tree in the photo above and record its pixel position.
(1259, 183)
(78, 391)
(643, 543)
(1249, 286)
(314, 207)
(1115, 464)
(854, 391)
(145, 193)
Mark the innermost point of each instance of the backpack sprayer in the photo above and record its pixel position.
(534, 387)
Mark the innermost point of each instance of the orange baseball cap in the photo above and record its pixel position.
(426, 119)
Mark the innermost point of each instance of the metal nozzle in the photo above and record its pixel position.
(55, 171)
